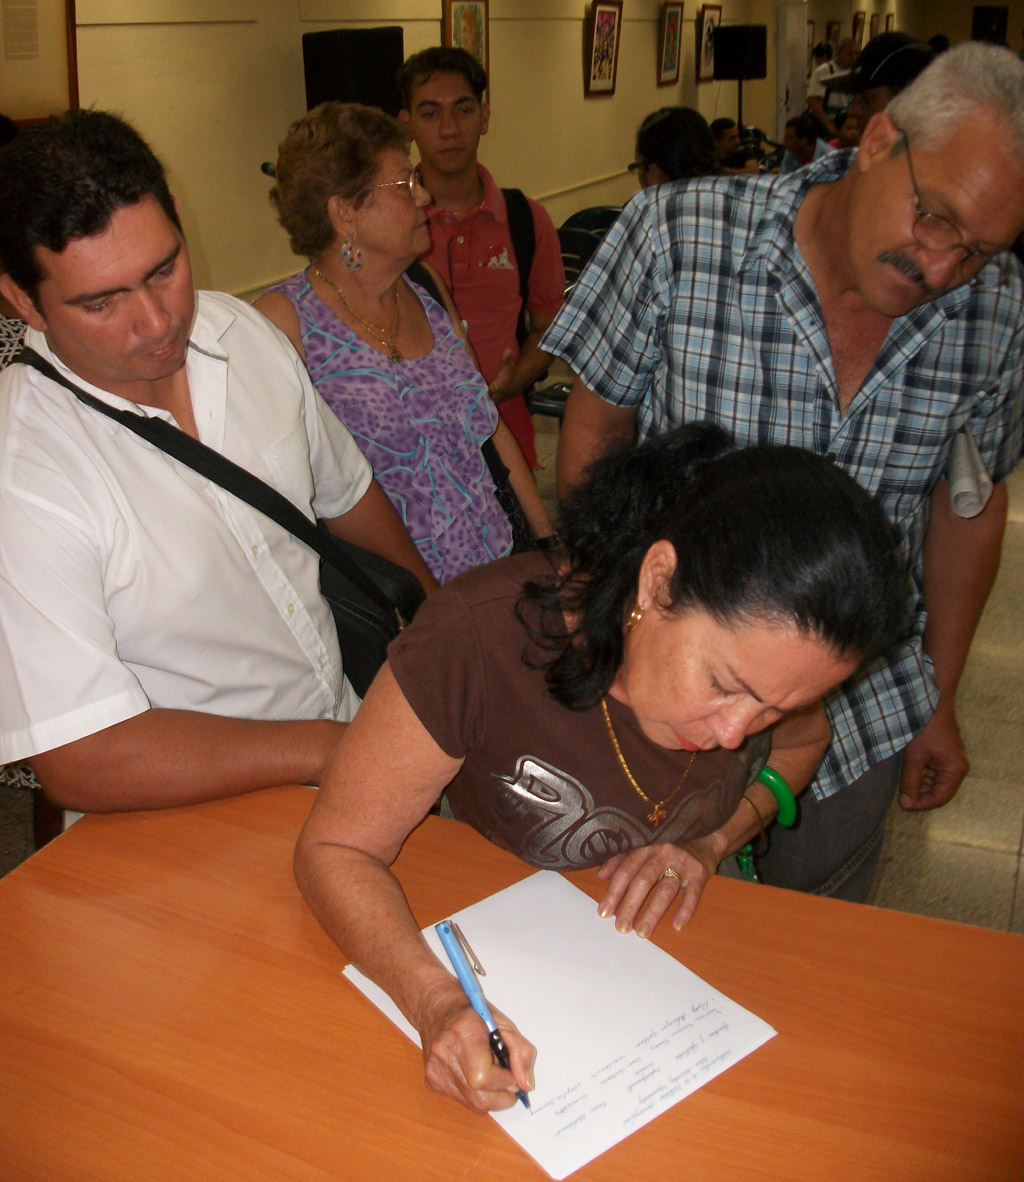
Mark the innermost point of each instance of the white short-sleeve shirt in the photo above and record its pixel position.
(127, 580)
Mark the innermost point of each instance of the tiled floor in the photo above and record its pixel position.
(964, 861)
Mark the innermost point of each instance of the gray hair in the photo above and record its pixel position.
(958, 84)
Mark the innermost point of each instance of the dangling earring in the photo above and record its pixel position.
(351, 255)
(635, 616)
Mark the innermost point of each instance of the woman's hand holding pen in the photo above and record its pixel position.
(457, 1056)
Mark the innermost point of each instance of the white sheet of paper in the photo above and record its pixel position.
(623, 1031)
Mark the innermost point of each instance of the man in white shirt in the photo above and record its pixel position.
(823, 101)
(160, 641)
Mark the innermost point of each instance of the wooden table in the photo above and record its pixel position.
(170, 1010)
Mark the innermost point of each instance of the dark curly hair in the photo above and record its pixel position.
(678, 140)
(765, 532)
(440, 59)
(334, 148)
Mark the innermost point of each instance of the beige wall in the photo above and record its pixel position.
(213, 84)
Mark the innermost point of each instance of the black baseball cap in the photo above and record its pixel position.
(890, 59)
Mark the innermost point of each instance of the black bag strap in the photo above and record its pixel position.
(419, 274)
(225, 473)
(524, 242)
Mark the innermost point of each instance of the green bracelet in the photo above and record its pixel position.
(783, 794)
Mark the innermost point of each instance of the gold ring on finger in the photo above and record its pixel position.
(668, 872)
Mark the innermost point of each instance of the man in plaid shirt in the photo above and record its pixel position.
(865, 307)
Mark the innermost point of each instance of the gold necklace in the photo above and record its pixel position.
(386, 337)
(657, 813)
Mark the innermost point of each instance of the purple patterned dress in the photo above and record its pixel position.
(420, 423)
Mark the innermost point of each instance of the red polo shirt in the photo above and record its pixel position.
(476, 259)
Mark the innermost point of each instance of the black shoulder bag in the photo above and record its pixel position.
(371, 598)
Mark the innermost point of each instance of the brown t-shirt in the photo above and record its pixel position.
(539, 779)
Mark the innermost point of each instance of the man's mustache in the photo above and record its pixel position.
(906, 264)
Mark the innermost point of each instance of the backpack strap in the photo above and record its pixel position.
(418, 273)
(524, 242)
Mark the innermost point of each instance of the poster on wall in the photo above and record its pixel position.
(602, 55)
(858, 27)
(710, 19)
(873, 25)
(833, 31)
(39, 76)
(464, 26)
(670, 44)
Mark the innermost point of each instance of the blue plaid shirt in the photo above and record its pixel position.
(698, 305)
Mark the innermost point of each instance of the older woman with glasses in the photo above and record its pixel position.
(389, 359)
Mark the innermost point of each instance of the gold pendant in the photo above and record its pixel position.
(657, 815)
(396, 357)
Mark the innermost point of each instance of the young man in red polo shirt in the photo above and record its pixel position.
(472, 238)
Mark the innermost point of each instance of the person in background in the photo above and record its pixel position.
(614, 712)
(849, 131)
(383, 353)
(802, 144)
(161, 641)
(479, 232)
(728, 148)
(673, 144)
(824, 101)
(866, 307)
(887, 64)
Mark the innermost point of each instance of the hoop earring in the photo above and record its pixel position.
(635, 616)
(351, 255)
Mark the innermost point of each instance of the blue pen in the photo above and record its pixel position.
(468, 981)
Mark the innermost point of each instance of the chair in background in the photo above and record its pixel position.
(577, 246)
(596, 218)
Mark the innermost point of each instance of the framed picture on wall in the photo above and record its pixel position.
(39, 75)
(604, 30)
(670, 44)
(833, 31)
(988, 23)
(810, 45)
(464, 26)
(858, 27)
(873, 25)
(710, 19)
(890, 21)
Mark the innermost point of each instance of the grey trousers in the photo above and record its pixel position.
(836, 846)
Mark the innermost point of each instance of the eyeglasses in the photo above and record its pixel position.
(412, 182)
(934, 232)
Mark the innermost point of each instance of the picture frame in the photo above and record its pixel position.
(670, 44)
(810, 46)
(710, 19)
(604, 32)
(890, 21)
(873, 25)
(833, 31)
(858, 27)
(39, 77)
(464, 26)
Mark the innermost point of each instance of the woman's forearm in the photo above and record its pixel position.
(362, 907)
(522, 480)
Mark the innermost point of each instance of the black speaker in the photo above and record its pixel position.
(354, 66)
(741, 52)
